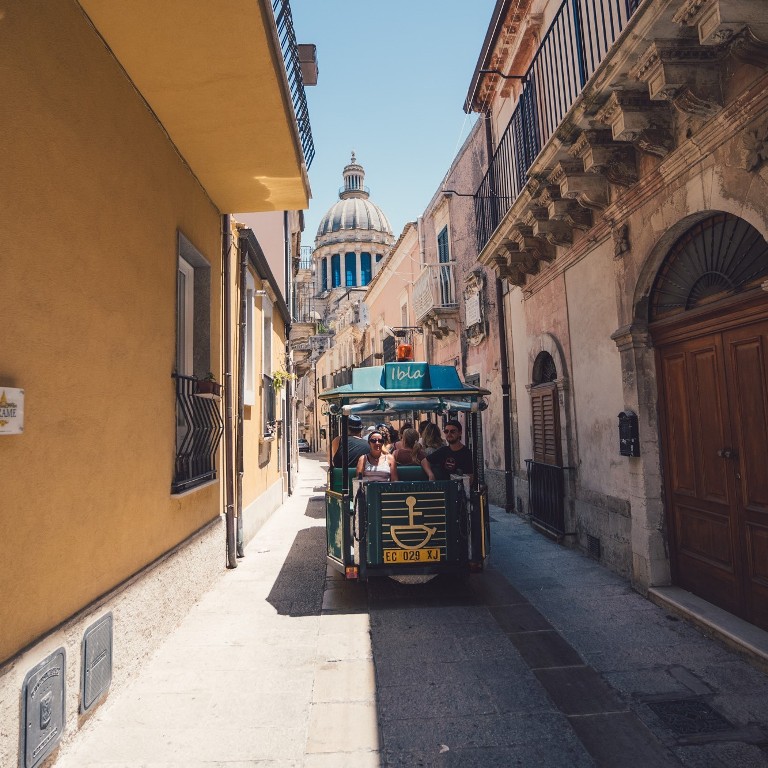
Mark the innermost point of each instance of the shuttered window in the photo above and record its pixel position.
(546, 425)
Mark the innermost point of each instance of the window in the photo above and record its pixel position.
(545, 411)
(365, 268)
(350, 268)
(379, 257)
(198, 422)
(444, 257)
(335, 270)
(249, 390)
(323, 274)
(268, 390)
(185, 303)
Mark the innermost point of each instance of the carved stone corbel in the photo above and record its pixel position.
(568, 211)
(717, 22)
(556, 232)
(620, 235)
(588, 189)
(687, 76)
(601, 154)
(633, 118)
(507, 271)
(521, 237)
(754, 142)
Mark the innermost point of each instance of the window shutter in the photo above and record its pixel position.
(546, 425)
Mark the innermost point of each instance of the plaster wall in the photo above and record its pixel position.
(88, 322)
(601, 504)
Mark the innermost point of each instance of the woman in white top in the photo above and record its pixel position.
(376, 466)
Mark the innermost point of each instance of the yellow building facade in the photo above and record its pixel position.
(121, 160)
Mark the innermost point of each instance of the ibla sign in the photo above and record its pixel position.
(406, 376)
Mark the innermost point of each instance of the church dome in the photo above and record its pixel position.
(354, 211)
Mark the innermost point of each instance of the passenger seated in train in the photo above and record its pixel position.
(409, 453)
(454, 458)
(375, 466)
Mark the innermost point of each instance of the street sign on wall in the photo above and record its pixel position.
(11, 411)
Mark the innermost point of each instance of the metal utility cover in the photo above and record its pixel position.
(686, 717)
(97, 662)
(43, 719)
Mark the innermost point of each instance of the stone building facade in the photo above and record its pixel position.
(625, 208)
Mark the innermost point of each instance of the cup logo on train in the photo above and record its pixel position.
(400, 530)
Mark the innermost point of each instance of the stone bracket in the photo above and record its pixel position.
(685, 75)
(588, 189)
(634, 118)
(717, 21)
(600, 154)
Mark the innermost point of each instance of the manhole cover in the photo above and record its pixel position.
(689, 716)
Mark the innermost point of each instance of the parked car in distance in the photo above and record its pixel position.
(303, 446)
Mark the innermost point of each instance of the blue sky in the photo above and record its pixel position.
(393, 79)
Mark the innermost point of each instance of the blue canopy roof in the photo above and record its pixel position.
(404, 379)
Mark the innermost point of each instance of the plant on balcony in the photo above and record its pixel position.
(207, 385)
(279, 377)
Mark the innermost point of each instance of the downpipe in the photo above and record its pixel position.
(241, 338)
(229, 489)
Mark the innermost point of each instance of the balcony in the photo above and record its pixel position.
(578, 39)
(290, 49)
(434, 298)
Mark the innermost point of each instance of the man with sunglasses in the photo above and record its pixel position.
(454, 458)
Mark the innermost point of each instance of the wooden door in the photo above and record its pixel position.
(714, 405)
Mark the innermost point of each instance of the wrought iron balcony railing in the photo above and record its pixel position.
(434, 289)
(579, 38)
(305, 257)
(287, 35)
(198, 432)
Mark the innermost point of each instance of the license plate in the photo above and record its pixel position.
(426, 555)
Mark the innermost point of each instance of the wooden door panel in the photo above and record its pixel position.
(748, 388)
(749, 373)
(699, 492)
(704, 536)
(682, 479)
(709, 430)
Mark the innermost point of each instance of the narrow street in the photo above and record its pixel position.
(546, 659)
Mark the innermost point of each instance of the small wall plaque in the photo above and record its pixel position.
(43, 698)
(11, 411)
(97, 662)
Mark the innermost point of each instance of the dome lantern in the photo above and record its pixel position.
(354, 176)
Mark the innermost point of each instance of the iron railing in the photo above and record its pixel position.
(368, 362)
(305, 257)
(578, 39)
(546, 494)
(287, 35)
(434, 288)
(304, 303)
(268, 396)
(199, 428)
(340, 378)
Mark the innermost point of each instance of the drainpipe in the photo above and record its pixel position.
(288, 418)
(229, 491)
(289, 411)
(506, 405)
(241, 339)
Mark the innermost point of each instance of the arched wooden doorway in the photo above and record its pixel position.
(709, 324)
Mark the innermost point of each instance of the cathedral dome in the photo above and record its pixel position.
(354, 211)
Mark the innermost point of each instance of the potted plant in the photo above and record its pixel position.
(279, 377)
(207, 385)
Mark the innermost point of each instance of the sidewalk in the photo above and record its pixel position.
(255, 675)
(547, 659)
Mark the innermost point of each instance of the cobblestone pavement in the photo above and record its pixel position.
(546, 659)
